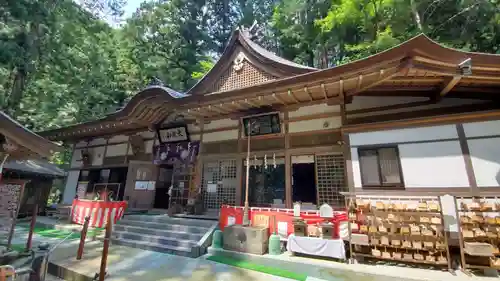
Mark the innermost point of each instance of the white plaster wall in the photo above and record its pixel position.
(116, 150)
(97, 155)
(148, 146)
(314, 109)
(427, 163)
(195, 137)
(118, 138)
(355, 168)
(81, 144)
(192, 128)
(76, 159)
(98, 141)
(435, 164)
(480, 129)
(404, 135)
(315, 124)
(220, 124)
(147, 134)
(70, 188)
(220, 136)
(485, 156)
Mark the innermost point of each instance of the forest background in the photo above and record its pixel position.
(69, 61)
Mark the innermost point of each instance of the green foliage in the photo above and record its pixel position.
(61, 63)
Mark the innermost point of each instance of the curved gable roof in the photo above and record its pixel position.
(153, 103)
(260, 58)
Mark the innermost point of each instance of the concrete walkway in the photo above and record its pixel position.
(130, 264)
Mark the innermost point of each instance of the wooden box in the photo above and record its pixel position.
(326, 231)
(252, 240)
(299, 228)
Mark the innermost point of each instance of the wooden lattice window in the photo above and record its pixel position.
(330, 180)
(219, 183)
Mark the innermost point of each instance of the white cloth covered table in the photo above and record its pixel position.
(333, 248)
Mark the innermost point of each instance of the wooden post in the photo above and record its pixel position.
(83, 235)
(32, 227)
(104, 258)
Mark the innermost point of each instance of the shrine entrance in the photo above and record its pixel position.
(266, 182)
(219, 184)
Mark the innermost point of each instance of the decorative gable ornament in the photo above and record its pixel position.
(137, 144)
(238, 62)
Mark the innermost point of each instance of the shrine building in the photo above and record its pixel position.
(419, 118)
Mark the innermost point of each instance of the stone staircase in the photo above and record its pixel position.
(161, 233)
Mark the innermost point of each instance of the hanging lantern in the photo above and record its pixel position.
(265, 161)
(274, 160)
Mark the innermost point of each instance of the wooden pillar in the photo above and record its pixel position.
(288, 166)
(346, 151)
(467, 160)
(239, 168)
(199, 160)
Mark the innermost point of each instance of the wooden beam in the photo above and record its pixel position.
(306, 90)
(277, 98)
(325, 93)
(449, 84)
(251, 103)
(389, 107)
(360, 82)
(216, 110)
(341, 88)
(291, 95)
(237, 104)
(384, 75)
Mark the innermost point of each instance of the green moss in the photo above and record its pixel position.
(258, 267)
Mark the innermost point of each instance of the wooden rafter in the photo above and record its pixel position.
(291, 95)
(306, 90)
(216, 110)
(251, 103)
(278, 99)
(383, 76)
(449, 84)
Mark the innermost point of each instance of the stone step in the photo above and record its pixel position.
(173, 250)
(159, 232)
(171, 220)
(154, 239)
(163, 226)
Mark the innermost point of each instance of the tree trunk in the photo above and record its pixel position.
(16, 92)
(416, 15)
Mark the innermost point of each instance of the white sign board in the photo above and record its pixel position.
(283, 229)
(141, 185)
(212, 187)
(151, 185)
(231, 220)
(176, 134)
(81, 189)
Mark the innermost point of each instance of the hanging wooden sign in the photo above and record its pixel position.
(262, 124)
(173, 134)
